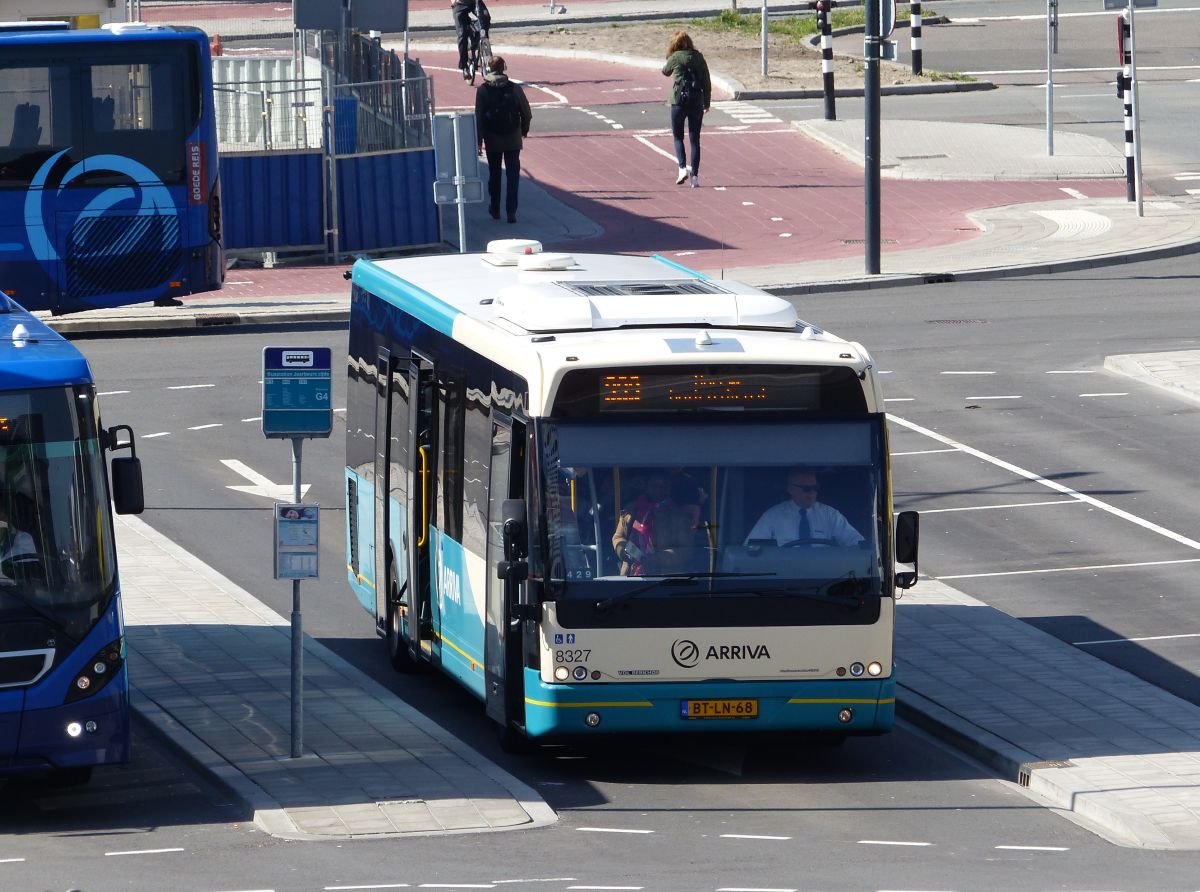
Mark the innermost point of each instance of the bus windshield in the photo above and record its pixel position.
(57, 558)
(656, 509)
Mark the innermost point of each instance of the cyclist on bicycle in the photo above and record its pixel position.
(462, 11)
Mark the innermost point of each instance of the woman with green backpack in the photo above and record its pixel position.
(691, 94)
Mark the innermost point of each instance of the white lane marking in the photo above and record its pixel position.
(898, 399)
(189, 386)
(380, 886)
(1104, 394)
(750, 836)
(626, 888)
(1051, 484)
(1013, 505)
(610, 830)
(111, 392)
(1074, 193)
(142, 852)
(890, 842)
(655, 148)
(969, 373)
(159, 434)
(1070, 371)
(599, 116)
(1192, 191)
(1073, 569)
(923, 452)
(201, 427)
(1011, 396)
(260, 485)
(10, 860)
(457, 886)
(538, 880)
(1143, 638)
(558, 97)
(255, 418)
(785, 235)
(1035, 848)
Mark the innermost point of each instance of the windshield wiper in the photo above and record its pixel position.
(844, 592)
(664, 580)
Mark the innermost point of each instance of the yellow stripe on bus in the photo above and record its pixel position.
(474, 662)
(808, 701)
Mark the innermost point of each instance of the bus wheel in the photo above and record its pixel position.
(398, 652)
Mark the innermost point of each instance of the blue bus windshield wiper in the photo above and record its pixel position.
(666, 579)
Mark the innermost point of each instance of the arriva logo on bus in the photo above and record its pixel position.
(449, 583)
(686, 653)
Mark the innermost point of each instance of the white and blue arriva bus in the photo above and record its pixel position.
(556, 470)
(64, 692)
(109, 188)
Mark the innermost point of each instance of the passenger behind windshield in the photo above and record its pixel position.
(801, 520)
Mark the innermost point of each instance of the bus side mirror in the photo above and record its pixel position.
(908, 529)
(128, 497)
(514, 569)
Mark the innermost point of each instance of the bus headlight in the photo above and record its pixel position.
(98, 671)
(74, 729)
(874, 668)
(561, 673)
(856, 669)
(580, 673)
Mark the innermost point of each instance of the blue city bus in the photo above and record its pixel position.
(559, 471)
(64, 691)
(109, 191)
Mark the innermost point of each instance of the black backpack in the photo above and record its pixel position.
(689, 94)
(501, 114)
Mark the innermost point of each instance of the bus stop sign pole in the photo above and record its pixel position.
(297, 403)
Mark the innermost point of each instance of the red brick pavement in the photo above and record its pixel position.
(769, 196)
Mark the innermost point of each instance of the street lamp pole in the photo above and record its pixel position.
(871, 147)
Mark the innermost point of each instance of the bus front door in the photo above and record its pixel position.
(422, 501)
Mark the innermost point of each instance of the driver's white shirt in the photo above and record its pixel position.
(16, 544)
(782, 522)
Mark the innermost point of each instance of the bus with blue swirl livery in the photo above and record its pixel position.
(109, 191)
(561, 483)
(64, 690)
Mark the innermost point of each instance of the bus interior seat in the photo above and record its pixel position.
(27, 130)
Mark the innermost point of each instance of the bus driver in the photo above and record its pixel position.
(802, 519)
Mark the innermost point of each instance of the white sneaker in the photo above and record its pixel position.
(683, 175)
(695, 181)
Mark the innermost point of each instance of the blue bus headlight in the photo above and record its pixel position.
(100, 668)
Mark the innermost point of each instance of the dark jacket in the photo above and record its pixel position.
(695, 60)
(489, 92)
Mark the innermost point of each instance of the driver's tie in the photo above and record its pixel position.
(805, 531)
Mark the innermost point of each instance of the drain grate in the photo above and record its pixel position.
(920, 157)
(957, 321)
(1028, 768)
(863, 241)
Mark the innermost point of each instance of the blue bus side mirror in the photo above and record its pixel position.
(128, 497)
(908, 529)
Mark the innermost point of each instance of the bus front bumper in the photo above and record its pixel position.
(850, 706)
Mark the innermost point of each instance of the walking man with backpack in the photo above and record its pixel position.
(691, 94)
(502, 118)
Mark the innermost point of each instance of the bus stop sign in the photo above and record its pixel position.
(297, 392)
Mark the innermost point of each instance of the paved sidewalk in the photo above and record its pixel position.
(211, 670)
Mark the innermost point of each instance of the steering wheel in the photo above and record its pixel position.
(797, 543)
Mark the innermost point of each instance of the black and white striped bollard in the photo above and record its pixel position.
(826, 29)
(914, 33)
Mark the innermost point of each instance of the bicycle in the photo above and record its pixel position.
(479, 46)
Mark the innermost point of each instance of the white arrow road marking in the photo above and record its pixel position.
(276, 492)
